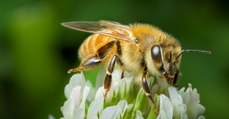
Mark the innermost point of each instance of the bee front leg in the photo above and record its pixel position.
(174, 81)
(108, 79)
(146, 86)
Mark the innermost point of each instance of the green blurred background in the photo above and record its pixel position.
(36, 51)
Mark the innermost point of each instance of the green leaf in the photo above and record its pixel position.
(139, 98)
(152, 114)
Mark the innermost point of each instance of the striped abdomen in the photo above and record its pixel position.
(92, 44)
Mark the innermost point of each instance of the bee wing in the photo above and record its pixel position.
(108, 28)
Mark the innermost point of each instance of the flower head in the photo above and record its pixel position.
(127, 100)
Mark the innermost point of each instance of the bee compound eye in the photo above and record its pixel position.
(156, 53)
(156, 50)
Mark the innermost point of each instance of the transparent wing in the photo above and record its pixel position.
(109, 28)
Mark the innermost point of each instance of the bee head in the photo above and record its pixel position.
(166, 61)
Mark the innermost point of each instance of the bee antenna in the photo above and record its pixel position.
(193, 51)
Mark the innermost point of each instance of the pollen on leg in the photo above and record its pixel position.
(75, 70)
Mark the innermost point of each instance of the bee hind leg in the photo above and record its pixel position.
(87, 64)
(94, 60)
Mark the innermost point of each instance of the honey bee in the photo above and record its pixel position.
(142, 49)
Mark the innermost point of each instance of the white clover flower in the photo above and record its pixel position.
(181, 104)
(192, 99)
(126, 100)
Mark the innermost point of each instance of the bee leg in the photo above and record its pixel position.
(174, 81)
(94, 60)
(87, 64)
(122, 75)
(118, 61)
(146, 86)
(108, 79)
(147, 90)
